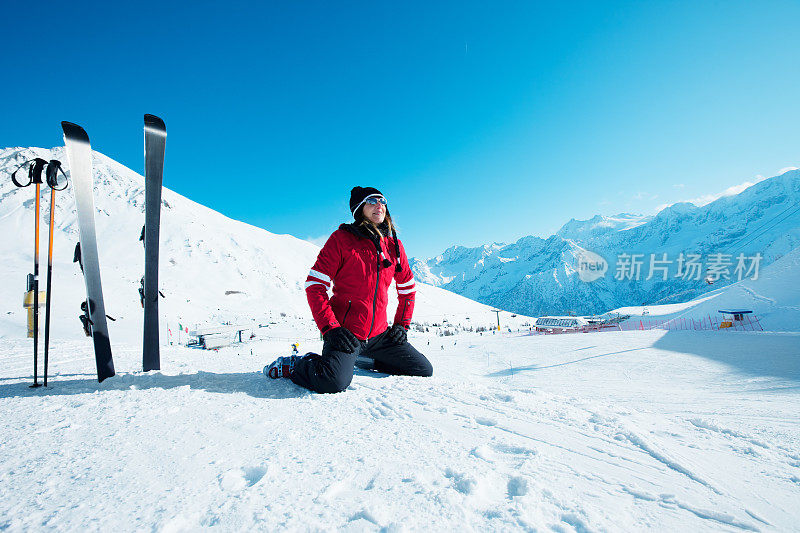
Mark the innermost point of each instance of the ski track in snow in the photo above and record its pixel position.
(208, 442)
(759, 297)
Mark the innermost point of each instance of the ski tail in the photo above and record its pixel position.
(74, 133)
(155, 125)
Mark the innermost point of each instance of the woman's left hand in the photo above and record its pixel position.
(397, 334)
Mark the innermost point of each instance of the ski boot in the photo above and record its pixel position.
(282, 367)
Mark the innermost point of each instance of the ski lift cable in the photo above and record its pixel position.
(763, 226)
(761, 233)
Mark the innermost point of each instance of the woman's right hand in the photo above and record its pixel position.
(342, 340)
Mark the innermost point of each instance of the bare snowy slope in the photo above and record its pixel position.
(539, 276)
(213, 268)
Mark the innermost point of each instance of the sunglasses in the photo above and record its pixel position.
(375, 200)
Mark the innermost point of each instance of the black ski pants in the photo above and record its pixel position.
(333, 370)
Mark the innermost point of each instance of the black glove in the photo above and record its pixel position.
(342, 340)
(397, 334)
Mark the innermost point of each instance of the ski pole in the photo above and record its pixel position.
(36, 169)
(53, 167)
(34, 176)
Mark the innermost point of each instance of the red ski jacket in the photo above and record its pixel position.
(350, 265)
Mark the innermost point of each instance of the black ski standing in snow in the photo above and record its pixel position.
(79, 155)
(155, 139)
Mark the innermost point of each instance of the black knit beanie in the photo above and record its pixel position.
(357, 197)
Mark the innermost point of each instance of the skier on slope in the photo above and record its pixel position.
(359, 262)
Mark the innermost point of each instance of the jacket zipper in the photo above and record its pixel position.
(375, 296)
(349, 303)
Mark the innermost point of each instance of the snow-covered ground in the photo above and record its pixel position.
(620, 431)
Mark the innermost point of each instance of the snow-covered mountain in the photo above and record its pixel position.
(578, 230)
(213, 269)
(540, 276)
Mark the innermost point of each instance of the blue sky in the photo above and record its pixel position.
(480, 121)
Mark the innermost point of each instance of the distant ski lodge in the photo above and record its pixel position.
(561, 324)
(215, 337)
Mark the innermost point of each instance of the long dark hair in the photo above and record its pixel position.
(383, 229)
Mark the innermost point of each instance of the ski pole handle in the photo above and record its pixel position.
(34, 172)
(53, 168)
(14, 176)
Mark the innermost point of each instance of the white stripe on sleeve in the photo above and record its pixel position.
(315, 282)
(406, 284)
(319, 275)
(407, 291)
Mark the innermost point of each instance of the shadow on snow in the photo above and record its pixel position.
(532, 368)
(251, 383)
(750, 353)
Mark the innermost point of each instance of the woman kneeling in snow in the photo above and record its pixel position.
(359, 261)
